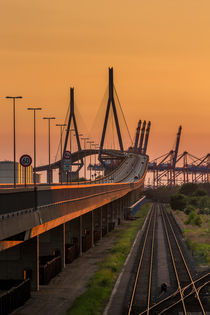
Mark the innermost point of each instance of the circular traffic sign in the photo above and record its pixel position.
(25, 160)
(67, 155)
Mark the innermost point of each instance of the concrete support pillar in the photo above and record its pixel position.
(122, 202)
(80, 236)
(92, 228)
(118, 211)
(107, 218)
(49, 176)
(21, 261)
(101, 221)
(53, 241)
(68, 232)
(111, 206)
(104, 219)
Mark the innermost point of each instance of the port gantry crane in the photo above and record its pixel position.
(165, 168)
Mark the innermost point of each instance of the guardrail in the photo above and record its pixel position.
(14, 297)
(49, 267)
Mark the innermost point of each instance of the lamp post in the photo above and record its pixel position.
(14, 142)
(79, 135)
(90, 142)
(49, 119)
(34, 109)
(96, 147)
(84, 139)
(61, 142)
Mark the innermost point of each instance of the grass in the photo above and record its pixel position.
(197, 237)
(94, 299)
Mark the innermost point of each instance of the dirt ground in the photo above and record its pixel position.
(59, 295)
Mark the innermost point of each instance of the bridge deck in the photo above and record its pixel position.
(55, 205)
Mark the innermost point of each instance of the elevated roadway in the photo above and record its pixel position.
(32, 212)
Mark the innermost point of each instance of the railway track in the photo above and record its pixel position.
(189, 288)
(141, 294)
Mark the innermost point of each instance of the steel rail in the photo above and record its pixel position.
(186, 296)
(151, 263)
(140, 262)
(177, 291)
(186, 266)
(174, 264)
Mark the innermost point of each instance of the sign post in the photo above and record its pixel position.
(25, 161)
(67, 162)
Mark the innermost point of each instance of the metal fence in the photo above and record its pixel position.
(14, 297)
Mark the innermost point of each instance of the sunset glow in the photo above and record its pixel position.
(159, 50)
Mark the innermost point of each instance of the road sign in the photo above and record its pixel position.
(25, 160)
(67, 155)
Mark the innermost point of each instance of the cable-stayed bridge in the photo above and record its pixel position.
(47, 221)
(45, 226)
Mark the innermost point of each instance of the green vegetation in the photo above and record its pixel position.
(201, 251)
(100, 286)
(162, 194)
(192, 203)
(193, 218)
(178, 201)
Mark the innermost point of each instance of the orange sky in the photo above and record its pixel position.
(159, 50)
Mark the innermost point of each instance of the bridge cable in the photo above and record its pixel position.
(123, 115)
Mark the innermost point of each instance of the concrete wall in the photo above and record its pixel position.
(25, 256)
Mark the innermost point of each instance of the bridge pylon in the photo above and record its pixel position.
(72, 120)
(111, 102)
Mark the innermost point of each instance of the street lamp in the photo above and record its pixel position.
(14, 142)
(49, 118)
(96, 147)
(90, 142)
(84, 139)
(61, 140)
(34, 109)
(79, 135)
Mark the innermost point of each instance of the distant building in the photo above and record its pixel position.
(22, 173)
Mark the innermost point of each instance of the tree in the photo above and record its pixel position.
(188, 189)
(188, 209)
(178, 202)
(199, 192)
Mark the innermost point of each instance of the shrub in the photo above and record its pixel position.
(188, 189)
(194, 219)
(204, 202)
(190, 218)
(199, 192)
(198, 220)
(204, 211)
(178, 202)
(188, 209)
(194, 201)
